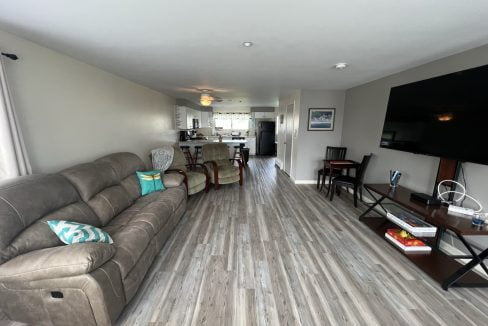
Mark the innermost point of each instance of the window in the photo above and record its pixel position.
(234, 121)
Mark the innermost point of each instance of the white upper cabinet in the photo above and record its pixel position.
(264, 115)
(180, 118)
(184, 117)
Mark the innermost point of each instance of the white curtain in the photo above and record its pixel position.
(13, 157)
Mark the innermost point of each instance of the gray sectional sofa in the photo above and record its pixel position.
(43, 281)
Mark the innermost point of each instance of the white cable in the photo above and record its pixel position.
(463, 194)
(441, 194)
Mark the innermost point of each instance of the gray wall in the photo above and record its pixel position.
(365, 110)
(71, 112)
(311, 144)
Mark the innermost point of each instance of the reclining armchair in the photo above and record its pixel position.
(195, 180)
(221, 168)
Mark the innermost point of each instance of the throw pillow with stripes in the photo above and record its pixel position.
(150, 181)
(72, 232)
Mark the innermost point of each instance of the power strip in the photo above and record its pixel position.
(460, 210)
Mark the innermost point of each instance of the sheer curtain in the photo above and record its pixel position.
(13, 157)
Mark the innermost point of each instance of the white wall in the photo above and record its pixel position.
(312, 144)
(71, 112)
(308, 149)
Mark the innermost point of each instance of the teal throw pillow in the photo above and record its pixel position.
(150, 181)
(72, 232)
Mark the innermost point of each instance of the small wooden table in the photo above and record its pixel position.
(441, 267)
(338, 165)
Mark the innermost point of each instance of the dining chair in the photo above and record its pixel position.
(331, 153)
(355, 182)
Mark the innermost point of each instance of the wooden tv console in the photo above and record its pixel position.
(440, 266)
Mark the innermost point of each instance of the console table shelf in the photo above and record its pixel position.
(438, 265)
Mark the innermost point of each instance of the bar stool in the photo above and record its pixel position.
(238, 153)
(186, 151)
(197, 154)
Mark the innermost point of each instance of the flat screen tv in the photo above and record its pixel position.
(445, 116)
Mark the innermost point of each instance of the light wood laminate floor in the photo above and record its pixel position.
(275, 253)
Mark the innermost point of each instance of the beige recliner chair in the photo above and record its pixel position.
(196, 181)
(220, 166)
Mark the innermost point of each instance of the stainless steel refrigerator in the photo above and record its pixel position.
(265, 141)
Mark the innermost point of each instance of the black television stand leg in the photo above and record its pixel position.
(372, 206)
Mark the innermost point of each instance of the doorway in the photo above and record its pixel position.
(288, 137)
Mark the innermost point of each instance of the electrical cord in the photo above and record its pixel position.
(465, 184)
(462, 195)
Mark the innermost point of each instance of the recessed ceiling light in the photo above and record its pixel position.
(341, 65)
(247, 44)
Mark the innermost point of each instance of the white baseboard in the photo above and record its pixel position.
(305, 182)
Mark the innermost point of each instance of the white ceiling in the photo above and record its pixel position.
(176, 46)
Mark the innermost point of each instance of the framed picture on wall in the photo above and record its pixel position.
(321, 119)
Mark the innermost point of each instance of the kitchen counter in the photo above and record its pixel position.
(212, 141)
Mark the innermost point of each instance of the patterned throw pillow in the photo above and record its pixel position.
(72, 232)
(150, 181)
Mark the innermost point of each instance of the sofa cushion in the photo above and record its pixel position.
(27, 202)
(179, 159)
(171, 196)
(130, 241)
(56, 262)
(91, 178)
(228, 171)
(99, 187)
(215, 152)
(125, 166)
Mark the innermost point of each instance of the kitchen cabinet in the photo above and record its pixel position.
(264, 115)
(206, 121)
(180, 118)
(184, 117)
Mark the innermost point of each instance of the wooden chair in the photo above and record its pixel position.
(197, 155)
(221, 168)
(331, 153)
(355, 182)
(187, 152)
(238, 153)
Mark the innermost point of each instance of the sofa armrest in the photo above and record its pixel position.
(174, 178)
(62, 261)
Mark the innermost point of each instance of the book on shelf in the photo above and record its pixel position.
(407, 242)
(410, 222)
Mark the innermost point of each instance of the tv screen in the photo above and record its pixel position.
(445, 116)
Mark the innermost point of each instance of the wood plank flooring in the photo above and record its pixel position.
(274, 253)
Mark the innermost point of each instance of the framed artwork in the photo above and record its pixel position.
(321, 119)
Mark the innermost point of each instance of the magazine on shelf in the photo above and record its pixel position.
(407, 242)
(411, 223)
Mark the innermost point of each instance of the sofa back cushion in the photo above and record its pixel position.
(215, 152)
(98, 186)
(179, 159)
(125, 166)
(26, 203)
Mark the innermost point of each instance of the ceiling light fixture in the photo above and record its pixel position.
(206, 99)
(247, 44)
(341, 65)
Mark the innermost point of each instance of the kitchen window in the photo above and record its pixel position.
(232, 121)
